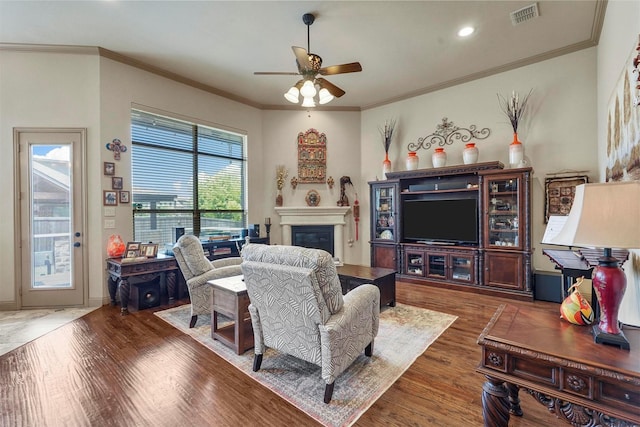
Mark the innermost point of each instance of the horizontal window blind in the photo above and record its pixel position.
(185, 175)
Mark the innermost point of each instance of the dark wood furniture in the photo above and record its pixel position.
(216, 249)
(498, 264)
(558, 364)
(580, 263)
(229, 297)
(352, 276)
(123, 273)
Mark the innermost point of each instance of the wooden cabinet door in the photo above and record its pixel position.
(384, 256)
(504, 270)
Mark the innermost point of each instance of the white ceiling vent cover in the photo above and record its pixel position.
(524, 14)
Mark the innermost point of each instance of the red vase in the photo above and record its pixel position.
(386, 165)
(609, 283)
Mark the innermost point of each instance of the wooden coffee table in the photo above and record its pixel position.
(229, 297)
(351, 276)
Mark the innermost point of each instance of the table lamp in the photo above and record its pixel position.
(605, 215)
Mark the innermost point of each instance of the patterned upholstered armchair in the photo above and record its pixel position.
(198, 270)
(297, 308)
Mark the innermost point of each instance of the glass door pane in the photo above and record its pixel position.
(50, 203)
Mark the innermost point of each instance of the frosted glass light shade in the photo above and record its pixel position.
(308, 102)
(292, 95)
(308, 90)
(325, 96)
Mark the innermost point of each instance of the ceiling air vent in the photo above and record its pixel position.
(524, 14)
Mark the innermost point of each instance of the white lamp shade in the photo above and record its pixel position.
(603, 215)
(292, 95)
(324, 96)
(308, 102)
(308, 90)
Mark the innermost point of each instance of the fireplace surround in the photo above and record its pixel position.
(316, 215)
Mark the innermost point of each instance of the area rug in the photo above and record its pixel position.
(405, 333)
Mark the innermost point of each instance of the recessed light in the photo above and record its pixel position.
(466, 31)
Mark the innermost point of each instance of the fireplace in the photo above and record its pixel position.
(330, 216)
(313, 236)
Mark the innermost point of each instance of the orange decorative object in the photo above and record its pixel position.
(575, 308)
(115, 246)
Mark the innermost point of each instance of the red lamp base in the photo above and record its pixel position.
(609, 283)
(602, 337)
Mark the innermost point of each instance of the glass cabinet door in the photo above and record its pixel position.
(384, 212)
(503, 224)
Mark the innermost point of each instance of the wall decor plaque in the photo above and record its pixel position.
(312, 157)
(560, 193)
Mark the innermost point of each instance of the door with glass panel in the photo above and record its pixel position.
(51, 211)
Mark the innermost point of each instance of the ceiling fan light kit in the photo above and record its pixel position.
(309, 66)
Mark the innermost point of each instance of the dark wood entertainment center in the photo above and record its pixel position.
(495, 259)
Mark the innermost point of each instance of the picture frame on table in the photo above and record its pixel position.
(124, 197)
(133, 249)
(110, 198)
(116, 183)
(149, 250)
(109, 168)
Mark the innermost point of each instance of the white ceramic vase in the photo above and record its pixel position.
(470, 154)
(439, 158)
(412, 161)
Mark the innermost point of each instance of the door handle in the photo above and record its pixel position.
(76, 245)
(77, 234)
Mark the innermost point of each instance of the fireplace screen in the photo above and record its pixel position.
(313, 236)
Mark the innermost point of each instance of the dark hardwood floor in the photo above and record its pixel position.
(136, 370)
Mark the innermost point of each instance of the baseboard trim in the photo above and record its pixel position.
(8, 306)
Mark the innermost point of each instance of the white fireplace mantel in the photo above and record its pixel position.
(316, 215)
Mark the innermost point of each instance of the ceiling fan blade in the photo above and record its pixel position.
(275, 73)
(302, 57)
(333, 89)
(352, 67)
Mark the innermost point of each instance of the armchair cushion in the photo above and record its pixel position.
(320, 262)
(191, 249)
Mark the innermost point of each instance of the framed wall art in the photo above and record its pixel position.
(110, 198)
(124, 197)
(559, 194)
(312, 157)
(116, 183)
(109, 168)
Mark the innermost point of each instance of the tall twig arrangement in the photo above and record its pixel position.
(387, 133)
(514, 108)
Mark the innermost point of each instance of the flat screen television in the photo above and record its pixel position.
(451, 221)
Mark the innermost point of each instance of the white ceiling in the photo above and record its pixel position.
(405, 47)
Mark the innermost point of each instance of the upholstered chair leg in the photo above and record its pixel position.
(257, 361)
(368, 351)
(328, 392)
(193, 321)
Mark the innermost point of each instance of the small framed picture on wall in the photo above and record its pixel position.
(124, 197)
(110, 198)
(116, 183)
(109, 168)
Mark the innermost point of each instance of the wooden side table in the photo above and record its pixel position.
(558, 364)
(229, 297)
(352, 276)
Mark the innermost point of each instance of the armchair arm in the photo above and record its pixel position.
(215, 273)
(356, 325)
(225, 262)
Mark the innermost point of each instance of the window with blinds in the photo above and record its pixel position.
(185, 175)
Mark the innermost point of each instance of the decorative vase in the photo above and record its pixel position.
(516, 152)
(279, 198)
(412, 161)
(439, 158)
(470, 153)
(386, 165)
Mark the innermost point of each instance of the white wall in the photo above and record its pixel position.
(559, 132)
(41, 90)
(619, 37)
(342, 130)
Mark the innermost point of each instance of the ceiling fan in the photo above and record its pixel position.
(309, 67)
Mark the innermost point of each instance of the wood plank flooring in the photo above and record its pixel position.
(107, 370)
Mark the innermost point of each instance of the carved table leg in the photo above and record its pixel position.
(495, 403)
(514, 400)
(112, 283)
(124, 296)
(171, 286)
